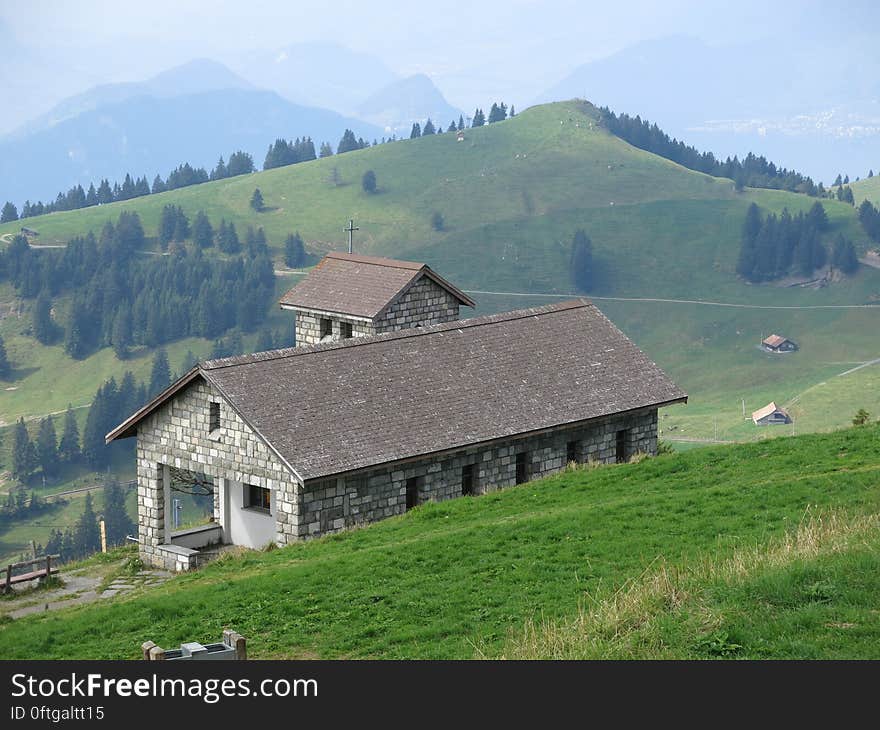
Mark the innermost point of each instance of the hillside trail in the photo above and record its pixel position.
(656, 300)
(81, 586)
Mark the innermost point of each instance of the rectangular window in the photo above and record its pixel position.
(345, 330)
(413, 484)
(468, 479)
(213, 416)
(572, 452)
(522, 467)
(326, 328)
(621, 446)
(256, 497)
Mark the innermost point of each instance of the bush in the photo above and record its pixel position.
(368, 182)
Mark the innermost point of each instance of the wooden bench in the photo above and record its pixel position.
(33, 574)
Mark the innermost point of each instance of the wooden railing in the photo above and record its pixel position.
(44, 572)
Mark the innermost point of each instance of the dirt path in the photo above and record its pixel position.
(79, 589)
(677, 301)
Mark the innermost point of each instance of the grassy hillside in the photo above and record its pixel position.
(754, 551)
(869, 188)
(511, 195)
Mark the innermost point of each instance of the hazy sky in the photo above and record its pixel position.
(473, 50)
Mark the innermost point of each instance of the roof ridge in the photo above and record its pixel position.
(375, 260)
(471, 322)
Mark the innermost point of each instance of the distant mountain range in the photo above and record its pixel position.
(796, 105)
(415, 99)
(151, 127)
(200, 110)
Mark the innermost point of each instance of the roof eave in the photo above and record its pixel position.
(525, 434)
(128, 426)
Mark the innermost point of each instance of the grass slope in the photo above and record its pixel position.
(867, 189)
(512, 194)
(465, 578)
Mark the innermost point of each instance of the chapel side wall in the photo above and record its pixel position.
(335, 504)
(308, 327)
(424, 303)
(177, 435)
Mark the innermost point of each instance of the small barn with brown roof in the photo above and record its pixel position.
(349, 295)
(778, 343)
(769, 415)
(311, 440)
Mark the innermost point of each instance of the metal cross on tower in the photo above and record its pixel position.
(351, 229)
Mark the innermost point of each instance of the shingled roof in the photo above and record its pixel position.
(361, 286)
(348, 405)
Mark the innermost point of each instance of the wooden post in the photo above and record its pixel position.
(8, 587)
(48, 567)
(103, 536)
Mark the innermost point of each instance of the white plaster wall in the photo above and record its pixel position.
(249, 527)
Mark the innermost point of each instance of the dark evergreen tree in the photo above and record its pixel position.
(326, 149)
(451, 127)
(9, 213)
(843, 256)
(265, 341)
(43, 326)
(24, 457)
(817, 218)
(53, 544)
(240, 163)
(68, 546)
(347, 143)
(158, 185)
(87, 534)
(479, 118)
(416, 131)
(257, 200)
(429, 128)
(160, 374)
(5, 367)
(368, 182)
(219, 172)
(68, 448)
(47, 447)
(203, 232)
(460, 122)
(581, 261)
(512, 112)
(117, 522)
(122, 331)
(294, 251)
(76, 340)
(498, 113)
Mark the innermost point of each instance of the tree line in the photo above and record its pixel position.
(869, 217)
(122, 300)
(752, 171)
(774, 246)
(240, 163)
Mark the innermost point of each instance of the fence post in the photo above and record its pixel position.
(8, 587)
(48, 567)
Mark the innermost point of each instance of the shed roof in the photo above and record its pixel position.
(775, 340)
(361, 286)
(352, 404)
(767, 410)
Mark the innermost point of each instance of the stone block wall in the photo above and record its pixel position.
(308, 326)
(177, 435)
(424, 303)
(335, 504)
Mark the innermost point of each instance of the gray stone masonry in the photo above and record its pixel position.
(424, 303)
(177, 435)
(337, 503)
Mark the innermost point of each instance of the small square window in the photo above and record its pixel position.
(326, 328)
(213, 416)
(256, 497)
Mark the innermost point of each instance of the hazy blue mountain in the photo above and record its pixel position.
(414, 99)
(794, 103)
(150, 135)
(193, 77)
(320, 74)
